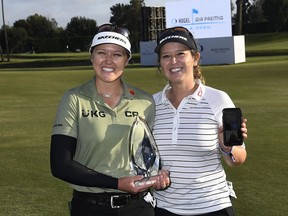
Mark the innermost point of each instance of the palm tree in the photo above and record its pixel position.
(5, 32)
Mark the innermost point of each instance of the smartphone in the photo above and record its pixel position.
(232, 120)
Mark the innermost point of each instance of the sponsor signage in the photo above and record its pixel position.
(210, 23)
(224, 50)
(204, 18)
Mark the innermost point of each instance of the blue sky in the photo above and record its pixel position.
(63, 10)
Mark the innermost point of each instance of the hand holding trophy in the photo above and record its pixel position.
(144, 155)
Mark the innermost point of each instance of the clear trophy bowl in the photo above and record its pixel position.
(144, 155)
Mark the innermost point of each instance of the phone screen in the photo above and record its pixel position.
(232, 120)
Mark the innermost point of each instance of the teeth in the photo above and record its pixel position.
(174, 70)
(108, 69)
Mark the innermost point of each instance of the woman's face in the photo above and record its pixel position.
(177, 61)
(109, 61)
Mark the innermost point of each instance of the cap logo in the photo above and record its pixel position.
(173, 37)
(112, 37)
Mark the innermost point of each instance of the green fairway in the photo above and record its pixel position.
(268, 41)
(28, 102)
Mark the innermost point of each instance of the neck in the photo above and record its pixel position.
(182, 90)
(109, 90)
(177, 93)
(109, 94)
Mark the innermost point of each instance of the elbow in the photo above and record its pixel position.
(55, 171)
(56, 168)
(240, 158)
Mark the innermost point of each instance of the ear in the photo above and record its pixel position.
(91, 58)
(127, 62)
(196, 58)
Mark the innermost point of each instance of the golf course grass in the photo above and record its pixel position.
(29, 99)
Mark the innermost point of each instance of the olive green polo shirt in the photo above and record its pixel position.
(102, 133)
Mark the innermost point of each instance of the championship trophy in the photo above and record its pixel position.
(144, 155)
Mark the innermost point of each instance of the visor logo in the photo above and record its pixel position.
(112, 37)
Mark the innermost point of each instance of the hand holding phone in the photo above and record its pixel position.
(232, 120)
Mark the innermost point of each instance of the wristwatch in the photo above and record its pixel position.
(228, 153)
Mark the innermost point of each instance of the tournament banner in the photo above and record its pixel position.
(204, 18)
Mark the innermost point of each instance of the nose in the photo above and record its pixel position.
(173, 59)
(108, 57)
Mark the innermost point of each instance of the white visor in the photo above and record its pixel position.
(111, 38)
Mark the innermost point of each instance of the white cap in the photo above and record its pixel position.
(112, 38)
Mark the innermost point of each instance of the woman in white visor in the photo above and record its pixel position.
(90, 135)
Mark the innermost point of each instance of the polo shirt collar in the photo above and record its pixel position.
(89, 89)
(197, 95)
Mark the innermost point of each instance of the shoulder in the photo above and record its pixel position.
(137, 93)
(214, 95)
(160, 97)
(217, 100)
(157, 97)
(76, 92)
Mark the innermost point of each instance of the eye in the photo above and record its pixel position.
(165, 56)
(118, 54)
(182, 53)
(100, 52)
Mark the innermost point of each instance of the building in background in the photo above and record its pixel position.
(153, 22)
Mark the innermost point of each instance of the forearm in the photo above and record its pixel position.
(234, 156)
(64, 167)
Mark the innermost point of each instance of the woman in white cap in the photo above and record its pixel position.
(90, 136)
(188, 133)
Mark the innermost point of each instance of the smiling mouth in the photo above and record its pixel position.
(106, 69)
(175, 70)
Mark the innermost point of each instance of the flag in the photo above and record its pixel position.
(194, 11)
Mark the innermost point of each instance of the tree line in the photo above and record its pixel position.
(39, 34)
(259, 16)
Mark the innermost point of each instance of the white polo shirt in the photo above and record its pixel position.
(187, 139)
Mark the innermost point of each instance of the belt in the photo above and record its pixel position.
(113, 200)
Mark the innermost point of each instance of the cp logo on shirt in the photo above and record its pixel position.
(131, 113)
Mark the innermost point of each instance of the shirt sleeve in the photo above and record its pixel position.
(64, 167)
(66, 120)
(218, 100)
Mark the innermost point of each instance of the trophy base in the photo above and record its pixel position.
(144, 181)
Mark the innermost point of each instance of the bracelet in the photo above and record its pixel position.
(228, 153)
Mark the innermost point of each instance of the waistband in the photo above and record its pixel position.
(113, 200)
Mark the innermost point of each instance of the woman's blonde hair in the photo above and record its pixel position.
(197, 71)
